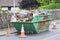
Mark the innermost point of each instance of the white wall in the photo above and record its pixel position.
(4, 8)
(16, 9)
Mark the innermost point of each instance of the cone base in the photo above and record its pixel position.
(8, 32)
(54, 27)
(22, 36)
(8, 35)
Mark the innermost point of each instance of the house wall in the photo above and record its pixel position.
(4, 8)
(16, 9)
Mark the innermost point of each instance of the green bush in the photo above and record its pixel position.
(51, 6)
(0, 8)
(44, 2)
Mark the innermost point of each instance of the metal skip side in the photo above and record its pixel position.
(32, 27)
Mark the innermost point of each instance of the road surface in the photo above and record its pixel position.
(52, 34)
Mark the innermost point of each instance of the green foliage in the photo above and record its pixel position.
(0, 8)
(51, 6)
(47, 2)
(44, 2)
(55, 1)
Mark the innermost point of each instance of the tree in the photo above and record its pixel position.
(0, 8)
(57, 1)
(28, 3)
(44, 2)
(54, 1)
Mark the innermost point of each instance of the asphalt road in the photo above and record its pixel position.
(52, 34)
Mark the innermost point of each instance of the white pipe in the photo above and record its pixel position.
(14, 6)
(14, 3)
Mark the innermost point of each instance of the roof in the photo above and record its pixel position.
(19, 3)
(9, 2)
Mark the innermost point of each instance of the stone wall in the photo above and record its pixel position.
(4, 19)
(55, 12)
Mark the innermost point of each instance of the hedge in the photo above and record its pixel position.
(51, 6)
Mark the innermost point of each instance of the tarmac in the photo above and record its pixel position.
(3, 31)
(52, 34)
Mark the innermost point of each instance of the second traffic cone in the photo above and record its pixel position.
(8, 31)
(22, 34)
(54, 25)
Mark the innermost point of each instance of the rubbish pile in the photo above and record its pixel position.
(22, 16)
(26, 15)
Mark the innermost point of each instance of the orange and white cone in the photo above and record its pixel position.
(22, 34)
(8, 31)
(54, 25)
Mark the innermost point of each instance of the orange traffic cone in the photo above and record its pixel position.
(22, 34)
(8, 31)
(54, 24)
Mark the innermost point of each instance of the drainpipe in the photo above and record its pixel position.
(14, 6)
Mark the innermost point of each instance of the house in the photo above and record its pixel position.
(9, 4)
